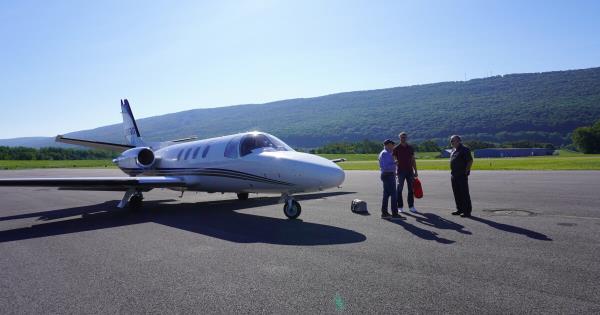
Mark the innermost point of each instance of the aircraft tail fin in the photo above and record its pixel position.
(132, 133)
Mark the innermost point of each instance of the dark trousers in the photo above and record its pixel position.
(389, 191)
(409, 178)
(460, 188)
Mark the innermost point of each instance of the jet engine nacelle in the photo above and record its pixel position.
(136, 158)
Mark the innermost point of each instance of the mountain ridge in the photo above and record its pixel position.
(542, 106)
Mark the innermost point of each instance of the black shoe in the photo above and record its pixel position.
(385, 215)
(465, 215)
(397, 216)
(456, 213)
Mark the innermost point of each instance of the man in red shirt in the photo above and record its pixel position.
(404, 154)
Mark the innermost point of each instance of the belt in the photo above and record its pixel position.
(388, 173)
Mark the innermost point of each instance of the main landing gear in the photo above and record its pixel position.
(135, 202)
(291, 207)
(132, 199)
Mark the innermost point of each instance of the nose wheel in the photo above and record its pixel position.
(291, 208)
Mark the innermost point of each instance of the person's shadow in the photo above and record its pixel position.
(220, 219)
(438, 222)
(422, 233)
(513, 229)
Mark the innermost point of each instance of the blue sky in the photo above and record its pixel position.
(64, 65)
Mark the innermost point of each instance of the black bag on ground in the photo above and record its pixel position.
(359, 206)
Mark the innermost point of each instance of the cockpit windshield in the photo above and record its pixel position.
(258, 140)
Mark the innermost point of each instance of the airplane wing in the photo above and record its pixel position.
(95, 144)
(188, 139)
(156, 145)
(97, 183)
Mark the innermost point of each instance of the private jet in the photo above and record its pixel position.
(243, 163)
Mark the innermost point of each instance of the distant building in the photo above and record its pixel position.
(512, 152)
(446, 153)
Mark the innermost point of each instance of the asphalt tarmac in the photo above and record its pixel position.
(532, 246)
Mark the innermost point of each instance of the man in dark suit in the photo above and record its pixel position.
(460, 165)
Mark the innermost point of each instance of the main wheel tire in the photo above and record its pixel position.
(243, 196)
(135, 203)
(293, 211)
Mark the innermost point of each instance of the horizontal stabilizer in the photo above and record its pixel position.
(95, 144)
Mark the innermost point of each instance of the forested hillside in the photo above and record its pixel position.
(542, 107)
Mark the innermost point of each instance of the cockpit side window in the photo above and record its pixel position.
(231, 150)
(254, 141)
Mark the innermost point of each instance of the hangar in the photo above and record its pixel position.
(504, 152)
(512, 152)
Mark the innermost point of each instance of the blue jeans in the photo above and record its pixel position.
(389, 191)
(407, 176)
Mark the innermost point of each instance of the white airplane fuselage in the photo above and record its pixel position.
(218, 165)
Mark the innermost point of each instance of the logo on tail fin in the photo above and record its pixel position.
(130, 128)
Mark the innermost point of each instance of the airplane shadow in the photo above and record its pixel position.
(438, 222)
(422, 233)
(513, 229)
(219, 219)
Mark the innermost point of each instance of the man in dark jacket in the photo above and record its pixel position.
(460, 166)
(404, 154)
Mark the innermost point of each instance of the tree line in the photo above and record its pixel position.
(587, 138)
(23, 153)
(369, 146)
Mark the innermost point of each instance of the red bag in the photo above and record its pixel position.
(417, 188)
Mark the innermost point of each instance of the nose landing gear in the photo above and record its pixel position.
(291, 207)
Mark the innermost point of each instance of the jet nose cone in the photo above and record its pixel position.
(338, 176)
(310, 172)
(331, 176)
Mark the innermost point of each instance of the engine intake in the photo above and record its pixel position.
(136, 158)
(145, 157)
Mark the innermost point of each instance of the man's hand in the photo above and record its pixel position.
(468, 172)
(416, 173)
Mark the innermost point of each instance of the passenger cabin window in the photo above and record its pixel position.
(187, 153)
(195, 155)
(254, 141)
(205, 151)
